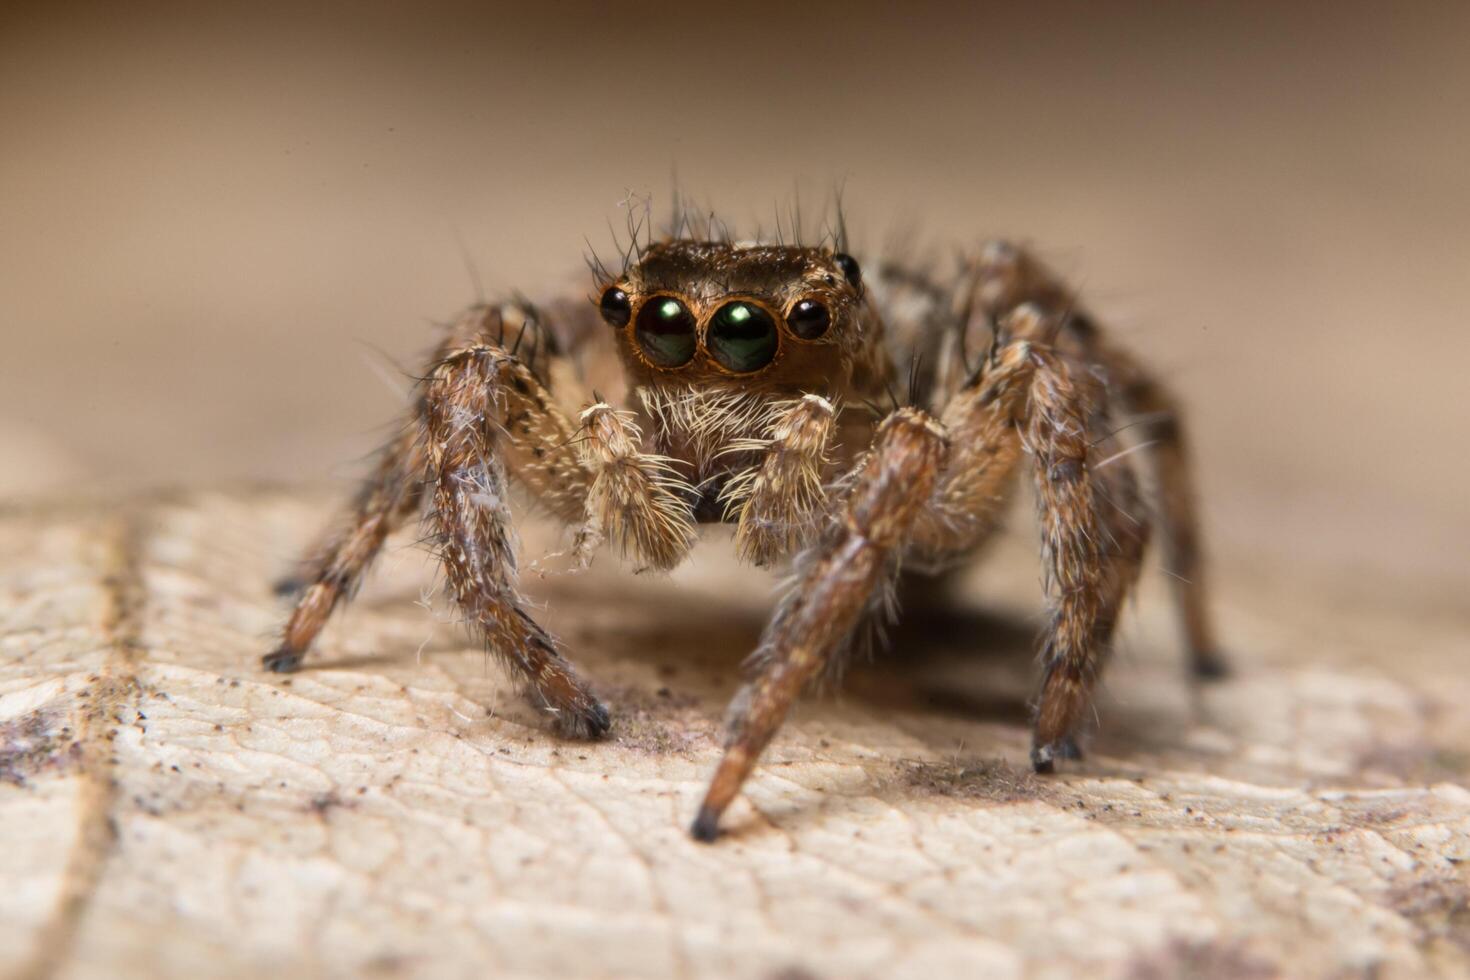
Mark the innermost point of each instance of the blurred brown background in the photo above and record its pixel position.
(213, 219)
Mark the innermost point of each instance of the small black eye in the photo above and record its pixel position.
(615, 307)
(809, 319)
(742, 337)
(665, 331)
(850, 269)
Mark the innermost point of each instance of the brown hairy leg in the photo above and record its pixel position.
(475, 403)
(1093, 530)
(1093, 563)
(778, 501)
(1005, 276)
(838, 581)
(637, 499)
(1030, 398)
(535, 441)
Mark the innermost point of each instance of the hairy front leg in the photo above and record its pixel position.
(637, 499)
(471, 401)
(537, 444)
(838, 581)
(779, 499)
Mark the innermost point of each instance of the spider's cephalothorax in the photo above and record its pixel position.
(770, 318)
(722, 342)
(753, 372)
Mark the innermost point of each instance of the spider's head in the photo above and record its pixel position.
(692, 312)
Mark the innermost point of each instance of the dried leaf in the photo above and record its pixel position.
(168, 808)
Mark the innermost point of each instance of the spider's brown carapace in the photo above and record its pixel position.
(752, 375)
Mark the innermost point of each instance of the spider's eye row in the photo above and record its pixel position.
(665, 331)
(615, 307)
(850, 269)
(809, 319)
(742, 337)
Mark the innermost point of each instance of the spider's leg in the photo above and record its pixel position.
(916, 489)
(838, 580)
(1093, 535)
(779, 499)
(1004, 277)
(1026, 399)
(386, 500)
(482, 406)
(519, 423)
(637, 499)
(1124, 526)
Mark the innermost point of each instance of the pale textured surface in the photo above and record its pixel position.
(168, 809)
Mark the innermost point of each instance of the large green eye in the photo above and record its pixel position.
(665, 331)
(742, 337)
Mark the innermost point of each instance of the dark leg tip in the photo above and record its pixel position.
(1043, 761)
(282, 661)
(1209, 665)
(706, 826)
(599, 721)
(589, 723)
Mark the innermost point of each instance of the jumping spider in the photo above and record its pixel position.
(754, 371)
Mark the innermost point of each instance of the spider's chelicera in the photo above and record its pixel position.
(753, 375)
